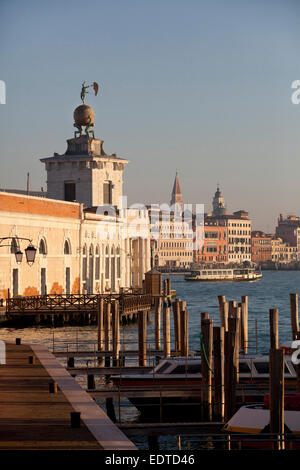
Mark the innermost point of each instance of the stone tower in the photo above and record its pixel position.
(85, 173)
(176, 198)
(219, 208)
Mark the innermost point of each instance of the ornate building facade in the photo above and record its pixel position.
(86, 240)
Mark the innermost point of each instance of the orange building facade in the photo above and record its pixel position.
(214, 241)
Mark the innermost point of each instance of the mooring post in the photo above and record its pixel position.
(100, 323)
(232, 305)
(107, 321)
(230, 369)
(297, 367)
(277, 396)
(100, 328)
(273, 318)
(116, 332)
(184, 332)
(244, 324)
(166, 330)
(157, 322)
(294, 315)
(218, 351)
(237, 315)
(176, 318)
(222, 301)
(206, 362)
(142, 337)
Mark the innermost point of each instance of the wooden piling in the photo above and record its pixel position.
(294, 315)
(232, 305)
(297, 367)
(100, 324)
(222, 301)
(107, 328)
(176, 318)
(166, 330)
(244, 324)
(142, 337)
(206, 365)
(184, 333)
(273, 319)
(115, 332)
(218, 352)
(277, 395)
(230, 369)
(157, 321)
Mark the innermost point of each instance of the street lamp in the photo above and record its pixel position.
(30, 251)
(19, 256)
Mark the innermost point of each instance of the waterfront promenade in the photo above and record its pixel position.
(33, 418)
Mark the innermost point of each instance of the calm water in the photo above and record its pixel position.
(271, 292)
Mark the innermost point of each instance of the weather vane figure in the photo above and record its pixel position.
(84, 91)
(84, 115)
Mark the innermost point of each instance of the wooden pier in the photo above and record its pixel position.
(43, 407)
(74, 308)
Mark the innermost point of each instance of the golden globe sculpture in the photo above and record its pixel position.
(84, 115)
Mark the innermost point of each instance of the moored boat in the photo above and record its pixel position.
(223, 274)
(185, 372)
(254, 419)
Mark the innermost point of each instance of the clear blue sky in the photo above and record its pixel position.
(201, 86)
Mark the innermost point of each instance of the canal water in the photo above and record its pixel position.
(272, 291)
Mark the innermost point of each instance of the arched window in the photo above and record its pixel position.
(118, 262)
(97, 266)
(67, 248)
(84, 264)
(42, 247)
(107, 263)
(91, 250)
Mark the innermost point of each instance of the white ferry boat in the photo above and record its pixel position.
(223, 274)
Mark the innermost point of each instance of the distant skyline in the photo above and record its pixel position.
(203, 87)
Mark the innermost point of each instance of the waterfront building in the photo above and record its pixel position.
(171, 233)
(227, 237)
(86, 240)
(261, 246)
(283, 252)
(214, 248)
(288, 229)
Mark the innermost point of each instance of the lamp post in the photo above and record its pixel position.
(30, 251)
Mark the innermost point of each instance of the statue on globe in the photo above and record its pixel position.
(84, 114)
(84, 91)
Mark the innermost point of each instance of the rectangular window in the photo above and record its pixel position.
(70, 192)
(107, 193)
(97, 268)
(15, 281)
(118, 267)
(107, 268)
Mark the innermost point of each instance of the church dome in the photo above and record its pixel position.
(84, 115)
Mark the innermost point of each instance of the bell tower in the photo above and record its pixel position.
(85, 173)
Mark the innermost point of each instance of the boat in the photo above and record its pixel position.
(223, 274)
(185, 372)
(254, 419)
